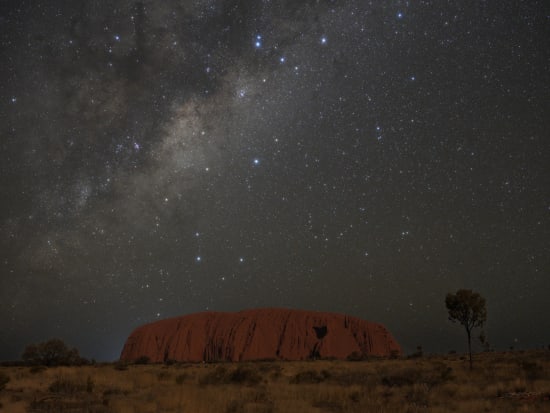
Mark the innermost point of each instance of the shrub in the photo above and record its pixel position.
(4, 379)
(310, 376)
(113, 391)
(142, 360)
(405, 378)
(349, 378)
(417, 354)
(245, 375)
(418, 395)
(216, 376)
(273, 370)
(53, 352)
(394, 354)
(241, 375)
(121, 366)
(533, 370)
(71, 386)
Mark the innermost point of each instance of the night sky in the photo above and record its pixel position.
(160, 158)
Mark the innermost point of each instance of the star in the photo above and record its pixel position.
(258, 41)
(312, 153)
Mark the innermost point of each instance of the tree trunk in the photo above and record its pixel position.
(470, 347)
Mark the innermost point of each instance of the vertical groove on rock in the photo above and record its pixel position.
(282, 336)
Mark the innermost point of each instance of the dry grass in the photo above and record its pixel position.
(503, 382)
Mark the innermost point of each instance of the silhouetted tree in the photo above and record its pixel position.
(53, 352)
(467, 308)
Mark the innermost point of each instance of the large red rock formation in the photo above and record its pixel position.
(258, 334)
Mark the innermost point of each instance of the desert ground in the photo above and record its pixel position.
(515, 381)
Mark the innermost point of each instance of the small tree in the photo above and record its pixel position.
(53, 352)
(467, 308)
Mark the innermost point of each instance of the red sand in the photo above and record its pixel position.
(258, 334)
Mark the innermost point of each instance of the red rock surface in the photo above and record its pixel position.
(258, 334)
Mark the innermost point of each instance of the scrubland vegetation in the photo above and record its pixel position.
(500, 382)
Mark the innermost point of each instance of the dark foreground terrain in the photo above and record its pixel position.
(500, 382)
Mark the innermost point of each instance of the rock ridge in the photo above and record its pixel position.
(259, 334)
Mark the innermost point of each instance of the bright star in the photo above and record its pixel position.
(256, 161)
(282, 59)
(198, 258)
(323, 40)
(399, 15)
(258, 41)
(117, 37)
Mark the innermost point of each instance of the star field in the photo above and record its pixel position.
(164, 158)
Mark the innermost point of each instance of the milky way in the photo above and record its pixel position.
(164, 158)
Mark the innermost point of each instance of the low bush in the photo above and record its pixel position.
(113, 391)
(532, 370)
(310, 376)
(142, 360)
(216, 376)
(71, 386)
(120, 366)
(4, 379)
(244, 375)
(349, 378)
(404, 378)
